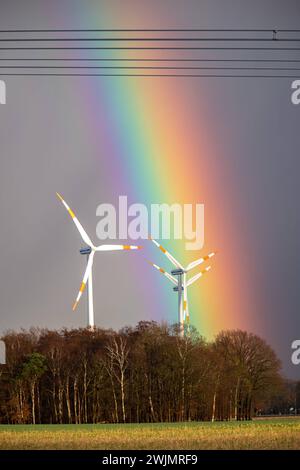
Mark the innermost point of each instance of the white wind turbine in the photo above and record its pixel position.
(90, 251)
(181, 282)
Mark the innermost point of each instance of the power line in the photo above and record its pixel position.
(117, 30)
(144, 67)
(242, 48)
(122, 59)
(149, 61)
(143, 39)
(288, 30)
(144, 75)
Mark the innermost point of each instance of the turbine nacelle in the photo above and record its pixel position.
(86, 250)
(178, 272)
(175, 289)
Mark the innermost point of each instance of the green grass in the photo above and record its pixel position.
(279, 433)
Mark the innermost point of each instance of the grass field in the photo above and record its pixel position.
(279, 433)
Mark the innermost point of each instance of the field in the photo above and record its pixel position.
(280, 433)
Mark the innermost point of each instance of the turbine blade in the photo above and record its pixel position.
(80, 228)
(117, 247)
(162, 271)
(168, 255)
(197, 276)
(185, 302)
(195, 263)
(85, 279)
(187, 313)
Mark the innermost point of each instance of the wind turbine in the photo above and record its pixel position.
(181, 283)
(90, 251)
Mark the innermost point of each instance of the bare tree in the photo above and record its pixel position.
(118, 353)
(250, 366)
(32, 371)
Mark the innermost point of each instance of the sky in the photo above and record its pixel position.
(231, 144)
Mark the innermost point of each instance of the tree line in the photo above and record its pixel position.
(149, 373)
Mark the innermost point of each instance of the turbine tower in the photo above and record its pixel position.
(90, 251)
(181, 283)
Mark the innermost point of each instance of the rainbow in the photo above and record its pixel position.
(158, 139)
